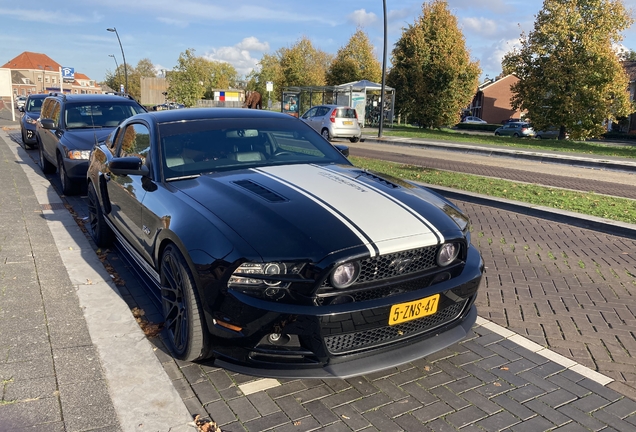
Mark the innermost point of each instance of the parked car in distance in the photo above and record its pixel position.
(549, 133)
(275, 256)
(473, 119)
(334, 121)
(19, 101)
(69, 126)
(515, 129)
(30, 115)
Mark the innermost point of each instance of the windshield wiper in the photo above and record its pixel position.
(183, 177)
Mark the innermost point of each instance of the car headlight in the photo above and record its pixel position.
(30, 120)
(263, 274)
(345, 275)
(79, 154)
(447, 254)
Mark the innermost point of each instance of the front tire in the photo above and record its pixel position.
(101, 232)
(46, 166)
(69, 187)
(325, 134)
(181, 307)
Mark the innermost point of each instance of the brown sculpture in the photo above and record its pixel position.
(253, 100)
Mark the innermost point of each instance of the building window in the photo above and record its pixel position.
(27, 81)
(39, 79)
(54, 80)
(46, 79)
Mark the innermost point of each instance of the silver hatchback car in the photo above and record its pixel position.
(334, 121)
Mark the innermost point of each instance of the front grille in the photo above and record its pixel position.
(395, 264)
(350, 342)
(377, 293)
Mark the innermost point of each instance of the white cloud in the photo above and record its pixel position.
(481, 26)
(491, 60)
(173, 22)
(253, 44)
(362, 18)
(239, 55)
(48, 16)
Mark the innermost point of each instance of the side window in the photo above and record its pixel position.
(47, 108)
(322, 111)
(135, 141)
(310, 113)
(55, 112)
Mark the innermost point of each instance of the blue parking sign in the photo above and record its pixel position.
(68, 74)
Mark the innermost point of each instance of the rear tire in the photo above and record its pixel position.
(69, 187)
(46, 166)
(181, 307)
(354, 139)
(325, 134)
(516, 135)
(538, 137)
(497, 133)
(101, 232)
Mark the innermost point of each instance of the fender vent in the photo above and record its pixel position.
(378, 179)
(259, 190)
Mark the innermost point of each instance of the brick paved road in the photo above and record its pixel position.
(569, 288)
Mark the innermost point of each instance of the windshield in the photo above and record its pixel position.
(34, 105)
(191, 148)
(104, 114)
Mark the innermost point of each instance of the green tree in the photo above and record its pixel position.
(432, 73)
(569, 75)
(194, 78)
(144, 68)
(354, 62)
(299, 65)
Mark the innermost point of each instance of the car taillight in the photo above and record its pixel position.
(332, 117)
(355, 113)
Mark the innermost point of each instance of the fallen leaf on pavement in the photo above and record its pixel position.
(205, 425)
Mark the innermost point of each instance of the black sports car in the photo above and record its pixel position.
(273, 254)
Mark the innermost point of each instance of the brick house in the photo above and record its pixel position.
(492, 100)
(38, 73)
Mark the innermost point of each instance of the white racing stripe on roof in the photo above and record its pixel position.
(388, 225)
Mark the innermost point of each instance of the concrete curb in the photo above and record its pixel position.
(142, 393)
(572, 160)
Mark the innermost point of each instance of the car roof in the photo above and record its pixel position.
(38, 96)
(213, 113)
(90, 97)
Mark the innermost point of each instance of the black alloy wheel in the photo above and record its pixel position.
(325, 134)
(181, 310)
(69, 187)
(101, 232)
(46, 166)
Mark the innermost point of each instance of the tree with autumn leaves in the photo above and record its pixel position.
(569, 74)
(433, 76)
(355, 62)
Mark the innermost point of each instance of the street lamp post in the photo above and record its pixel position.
(116, 65)
(122, 55)
(383, 74)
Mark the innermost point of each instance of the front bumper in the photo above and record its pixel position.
(76, 169)
(342, 340)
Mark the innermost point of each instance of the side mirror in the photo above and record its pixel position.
(130, 165)
(48, 124)
(342, 149)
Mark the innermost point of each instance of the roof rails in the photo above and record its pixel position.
(58, 94)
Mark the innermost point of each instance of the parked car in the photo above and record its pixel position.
(30, 115)
(549, 133)
(515, 129)
(19, 101)
(69, 126)
(473, 119)
(273, 254)
(334, 121)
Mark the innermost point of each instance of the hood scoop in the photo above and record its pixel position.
(378, 179)
(259, 190)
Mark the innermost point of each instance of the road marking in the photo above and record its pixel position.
(258, 385)
(544, 352)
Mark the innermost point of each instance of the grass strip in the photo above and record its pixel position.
(583, 147)
(589, 203)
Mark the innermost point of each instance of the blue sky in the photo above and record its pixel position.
(74, 34)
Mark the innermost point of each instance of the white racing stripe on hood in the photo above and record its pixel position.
(389, 226)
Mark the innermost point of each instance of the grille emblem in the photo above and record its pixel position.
(400, 265)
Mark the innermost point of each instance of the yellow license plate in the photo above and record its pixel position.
(413, 310)
(348, 123)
